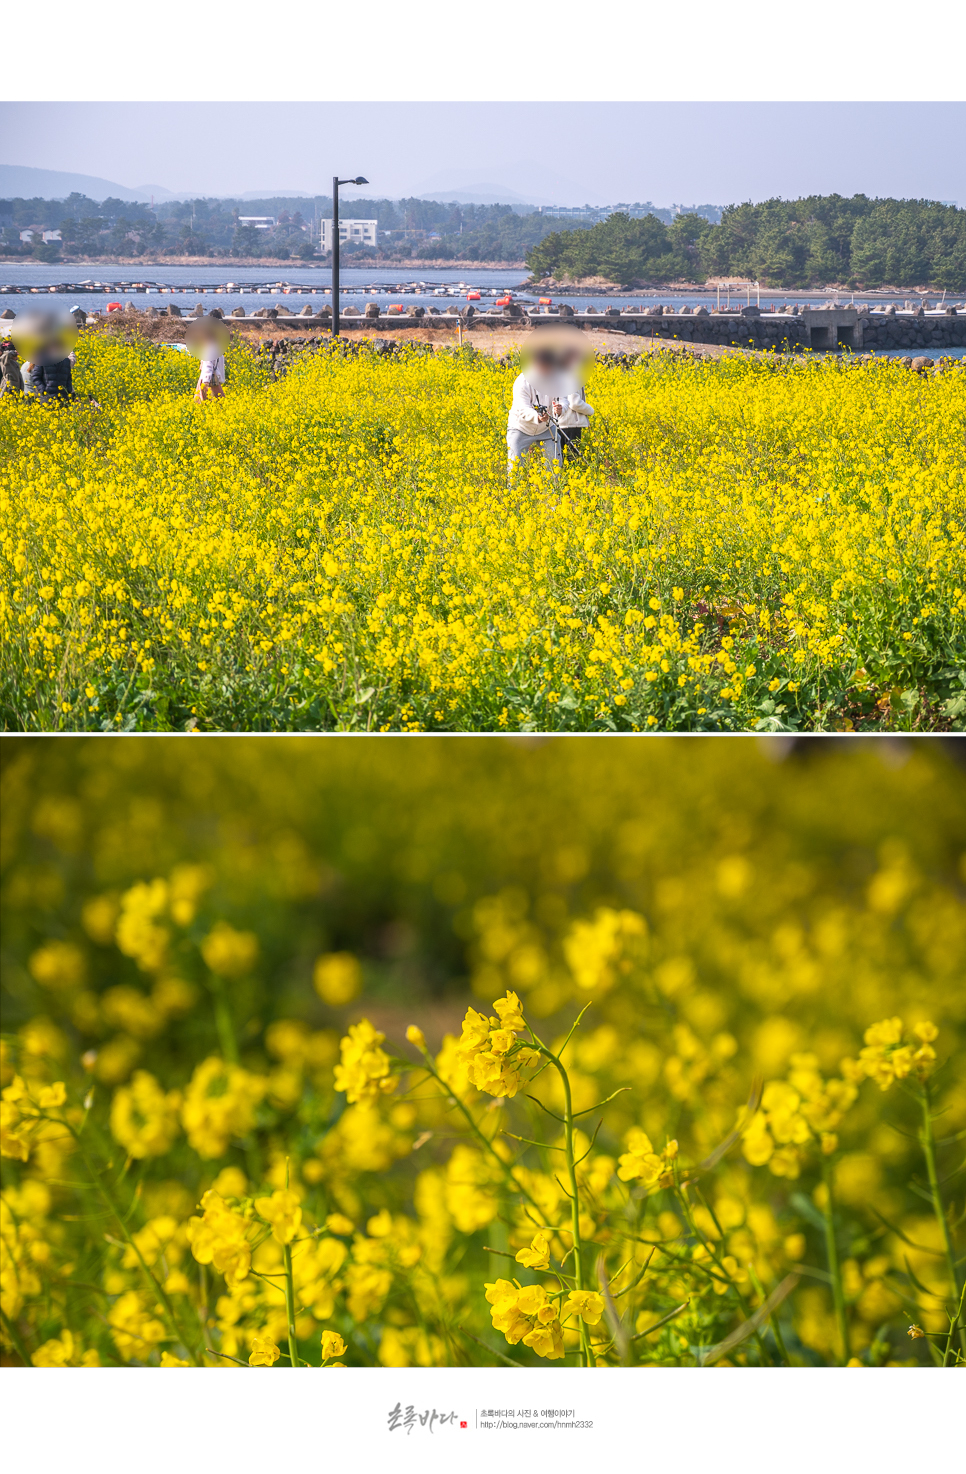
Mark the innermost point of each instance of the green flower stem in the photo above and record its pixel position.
(585, 1351)
(773, 1319)
(484, 1140)
(14, 1337)
(954, 1321)
(223, 1020)
(153, 1282)
(929, 1152)
(709, 1245)
(203, 1301)
(290, 1305)
(834, 1268)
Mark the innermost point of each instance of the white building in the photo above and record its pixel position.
(366, 232)
(260, 222)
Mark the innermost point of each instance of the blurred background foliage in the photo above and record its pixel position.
(823, 889)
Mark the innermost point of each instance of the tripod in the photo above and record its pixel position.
(561, 440)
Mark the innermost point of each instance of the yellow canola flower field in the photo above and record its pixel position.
(764, 545)
(414, 1053)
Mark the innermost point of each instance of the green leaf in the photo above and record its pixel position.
(807, 1209)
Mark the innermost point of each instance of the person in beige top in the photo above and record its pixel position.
(548, 408)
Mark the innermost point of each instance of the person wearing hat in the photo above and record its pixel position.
(548, 408)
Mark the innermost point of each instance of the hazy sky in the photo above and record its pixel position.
(545, 152)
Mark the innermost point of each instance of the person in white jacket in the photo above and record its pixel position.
(211, 376)
(548, 407)
(207, 339)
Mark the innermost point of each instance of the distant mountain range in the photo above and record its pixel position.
(18, 181)
(485, 194)
(520, 183)
(23, 182)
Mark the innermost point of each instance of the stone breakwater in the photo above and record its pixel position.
(856, 328)
(792, 329)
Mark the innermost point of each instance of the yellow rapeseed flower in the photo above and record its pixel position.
(264, 1352)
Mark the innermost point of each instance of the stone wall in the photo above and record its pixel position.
(856, 328)
(896, 329)
(746, 327)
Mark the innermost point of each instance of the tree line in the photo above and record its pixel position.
(789, 244)
(814, 241)
(112, 227)
(413, 227)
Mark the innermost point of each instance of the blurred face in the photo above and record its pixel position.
(207, 337)
(562, 350)
(43, 332)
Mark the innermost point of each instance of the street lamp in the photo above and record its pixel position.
(335, 247)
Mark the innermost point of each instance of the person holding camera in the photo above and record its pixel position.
(548, 407)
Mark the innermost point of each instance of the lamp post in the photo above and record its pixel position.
(335, 247)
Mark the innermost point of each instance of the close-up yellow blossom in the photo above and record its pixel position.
(489, 1051)
(144, 1119)
(264, 1352)
(282, 1211)
(364, 1071)
(537, 1255)
(550, 1052)
(642, 1163)
(586, 1304)
(889, 1055)
(332, 1345)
